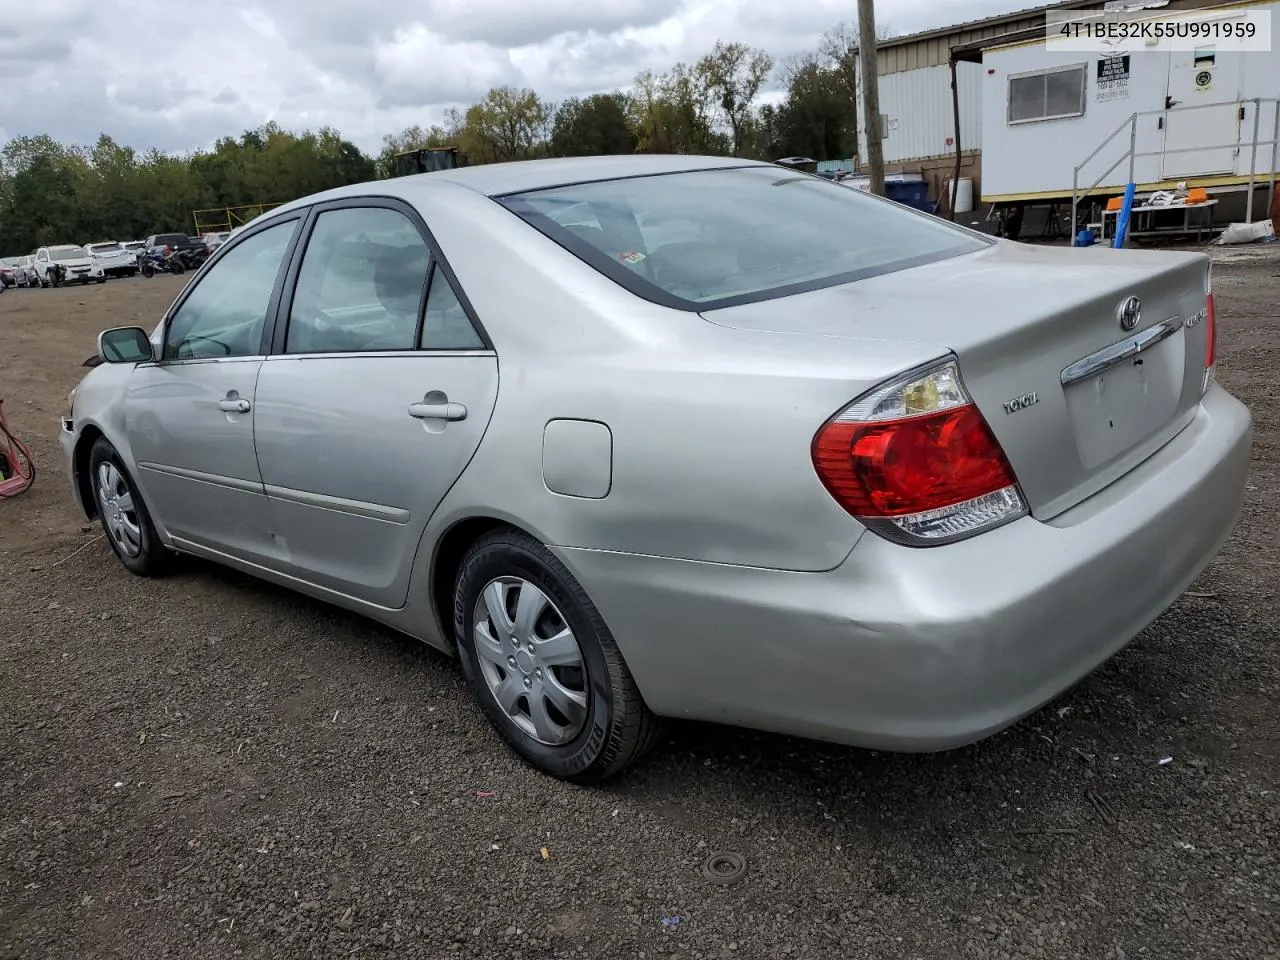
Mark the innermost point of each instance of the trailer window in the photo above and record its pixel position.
(1048, 94)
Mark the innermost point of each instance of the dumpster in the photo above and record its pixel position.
(912, 193)
(909, 189)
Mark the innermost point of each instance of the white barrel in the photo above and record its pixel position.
(962, 195)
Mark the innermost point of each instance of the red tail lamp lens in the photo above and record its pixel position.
(896, 467)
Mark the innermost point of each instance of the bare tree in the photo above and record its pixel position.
(733, 74)
(839, 52)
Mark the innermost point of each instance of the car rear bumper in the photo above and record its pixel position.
(927, 649)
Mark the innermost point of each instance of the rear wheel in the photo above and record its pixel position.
(124, 516)
(543, 664)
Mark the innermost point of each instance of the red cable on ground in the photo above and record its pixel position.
(17, 469)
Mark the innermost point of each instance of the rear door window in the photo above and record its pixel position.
(361, 284)
(715, 238)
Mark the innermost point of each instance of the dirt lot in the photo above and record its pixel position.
(208, 767)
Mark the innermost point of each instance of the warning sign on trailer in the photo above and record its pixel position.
(1113, 78)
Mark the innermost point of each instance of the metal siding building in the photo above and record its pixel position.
(921, 123)
(915, 98)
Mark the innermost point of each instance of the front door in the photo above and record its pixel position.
(189, 416)
(1202, 115)
(369, 411)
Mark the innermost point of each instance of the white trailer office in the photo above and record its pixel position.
(1057, 123)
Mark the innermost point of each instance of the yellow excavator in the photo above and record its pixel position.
(427, 160)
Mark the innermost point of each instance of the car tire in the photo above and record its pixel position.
(123, 514)
(527, 662)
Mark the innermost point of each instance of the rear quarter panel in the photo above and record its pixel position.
(711, 428)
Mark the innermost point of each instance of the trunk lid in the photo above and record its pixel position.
(1075, 399)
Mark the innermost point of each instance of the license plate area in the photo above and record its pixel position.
(1120, 407)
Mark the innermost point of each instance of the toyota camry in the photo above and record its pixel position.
(650, 437)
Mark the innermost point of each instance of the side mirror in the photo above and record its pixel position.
(125, 345)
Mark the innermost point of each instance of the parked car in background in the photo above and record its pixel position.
(7, 278)
(66, 263)
(814, 463)
(136, 247)
(114, 260)
(213, 241)
(25, 271)
(167, 244)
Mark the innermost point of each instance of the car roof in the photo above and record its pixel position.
(497, 179)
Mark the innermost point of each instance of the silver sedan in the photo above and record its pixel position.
(678, 437)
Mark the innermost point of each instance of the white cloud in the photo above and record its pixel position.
(78, 68)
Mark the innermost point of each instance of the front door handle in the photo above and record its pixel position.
(437, 411)
(234, 405)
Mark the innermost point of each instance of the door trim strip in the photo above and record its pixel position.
(320, 501)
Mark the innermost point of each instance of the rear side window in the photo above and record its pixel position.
(715, 238)
(361, 283)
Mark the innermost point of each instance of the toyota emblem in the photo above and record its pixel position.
(1129, 313)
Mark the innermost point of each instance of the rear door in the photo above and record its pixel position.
(378, 392)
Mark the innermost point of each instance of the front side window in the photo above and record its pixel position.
(715, 238)
(225, 314)
(1050, 95)
(361, 283)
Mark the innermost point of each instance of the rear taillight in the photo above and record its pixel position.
(916, 461)
(1210, 333)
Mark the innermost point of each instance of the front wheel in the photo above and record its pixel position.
(543, 664)
(124, 516)
(148, 270)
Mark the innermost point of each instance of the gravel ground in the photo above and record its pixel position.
(209, 767)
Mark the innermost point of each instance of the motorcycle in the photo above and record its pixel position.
(193, 257)
(156, 261)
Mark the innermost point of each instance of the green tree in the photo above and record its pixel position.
(593, 126)
(671, 113)
(814, 120)
(508, 124)
(51, 193)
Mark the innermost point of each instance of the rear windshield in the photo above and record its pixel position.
(105, 247)
(715, 238)
(171, 239)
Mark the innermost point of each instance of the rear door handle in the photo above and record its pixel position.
(234, 405)
(437, 411)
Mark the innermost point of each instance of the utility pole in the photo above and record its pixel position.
(870, 71)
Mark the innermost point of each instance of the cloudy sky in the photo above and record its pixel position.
(178, 75)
